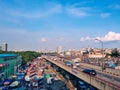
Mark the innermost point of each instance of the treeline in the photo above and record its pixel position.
(115, 53)
(26, 55)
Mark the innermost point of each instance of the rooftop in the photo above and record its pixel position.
(7, 55)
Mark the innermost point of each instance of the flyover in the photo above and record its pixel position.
(99, 82)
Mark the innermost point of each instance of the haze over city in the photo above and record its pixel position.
(47, 24)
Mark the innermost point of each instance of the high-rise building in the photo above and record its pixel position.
(59, 49)
(0, 47)
(4, 47)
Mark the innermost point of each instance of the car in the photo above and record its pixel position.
(68, 63)
(90, 71)
(81, 85)
(77, 63)
(55, 59)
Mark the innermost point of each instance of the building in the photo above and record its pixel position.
(4, 47)
(9, 64)
(94, 53)
(0, 47)
(97, 53)
(59, 49)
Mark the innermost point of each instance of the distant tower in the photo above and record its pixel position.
(4, 47)
(0, 47)
(59, 49)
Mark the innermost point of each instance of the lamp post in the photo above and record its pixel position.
(103, 63)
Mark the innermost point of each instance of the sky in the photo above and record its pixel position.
(71, 24)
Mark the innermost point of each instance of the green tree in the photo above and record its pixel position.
(26, 55)
(115, 53)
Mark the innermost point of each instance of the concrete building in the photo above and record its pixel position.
(97, 53)
(0, 47)
(9, 63)
(59, 49)
(4, 47)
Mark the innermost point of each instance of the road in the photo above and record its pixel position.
(100, 75)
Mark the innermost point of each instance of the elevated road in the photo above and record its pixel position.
(98, 81)
(110, 71)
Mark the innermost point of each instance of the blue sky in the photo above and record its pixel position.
(47, 24)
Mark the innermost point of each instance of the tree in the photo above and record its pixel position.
(26, 55)
(115, 53)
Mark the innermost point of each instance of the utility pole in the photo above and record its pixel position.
(103, 62)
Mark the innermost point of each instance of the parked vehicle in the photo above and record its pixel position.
(90, 71)
(14, 85)
(49, 80)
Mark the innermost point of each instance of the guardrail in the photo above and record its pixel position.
(114, 72)
(95, 81)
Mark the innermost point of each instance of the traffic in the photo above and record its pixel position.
(40, 74)
(86, 70)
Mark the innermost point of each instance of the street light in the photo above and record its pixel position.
(103, 64)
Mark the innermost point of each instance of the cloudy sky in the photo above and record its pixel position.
(47, 24)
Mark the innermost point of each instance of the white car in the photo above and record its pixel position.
(77, 63)
(54, 59)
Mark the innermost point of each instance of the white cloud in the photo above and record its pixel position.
(110, 36)
(60, 39)
(43, 39)
(116, 6)
(105, 15)
(79, 12)
(86, 38)
(57, 8)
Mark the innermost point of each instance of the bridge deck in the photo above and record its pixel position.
(97, 81)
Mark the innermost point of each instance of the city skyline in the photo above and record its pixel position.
(47, 24)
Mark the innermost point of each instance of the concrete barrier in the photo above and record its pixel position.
(97, 82)
(114, 72)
